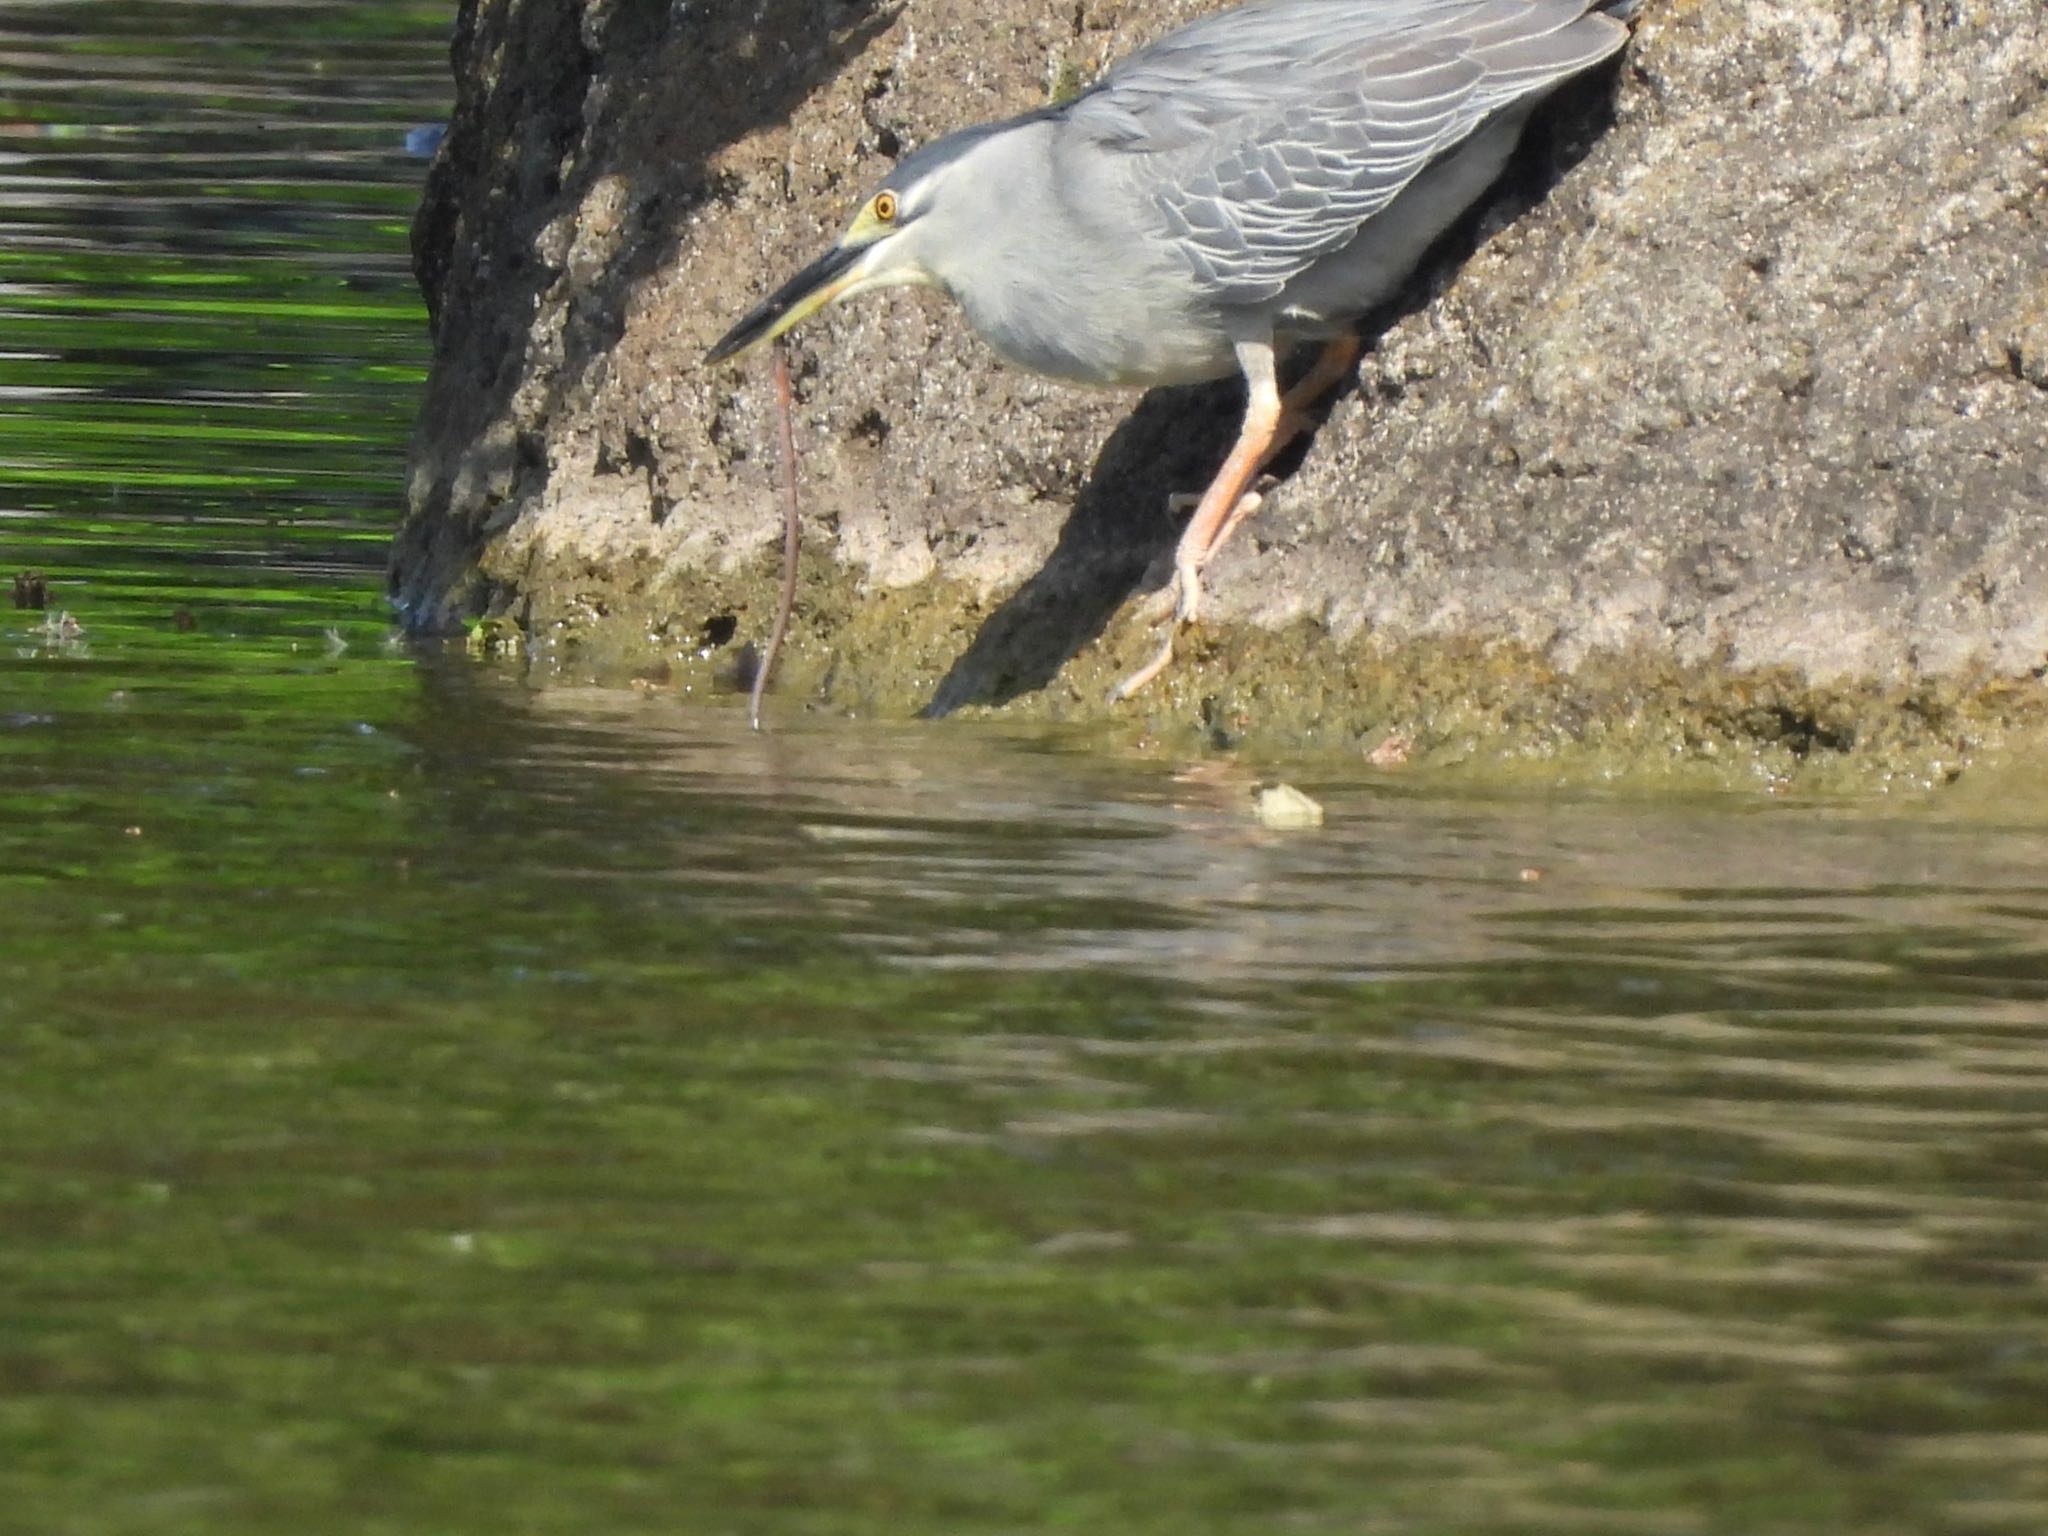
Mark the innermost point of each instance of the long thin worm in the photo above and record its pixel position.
(785, 414)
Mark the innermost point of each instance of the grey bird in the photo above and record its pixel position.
(1263, 177)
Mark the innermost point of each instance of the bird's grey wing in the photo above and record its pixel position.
(1265, 136)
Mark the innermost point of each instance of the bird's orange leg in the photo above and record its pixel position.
(1271, 422)
(1338, 359)
(1255, 439)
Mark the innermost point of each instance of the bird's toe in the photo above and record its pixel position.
(1147, 672)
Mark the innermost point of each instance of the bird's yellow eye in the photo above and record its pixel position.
(885, 207)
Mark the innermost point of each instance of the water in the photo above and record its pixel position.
(428, 1105)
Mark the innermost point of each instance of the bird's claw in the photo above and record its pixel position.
(1176, 605)
(1147, 672)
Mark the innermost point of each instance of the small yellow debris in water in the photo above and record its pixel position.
(1285, 808)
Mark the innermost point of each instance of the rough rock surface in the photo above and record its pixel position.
(1728, 416)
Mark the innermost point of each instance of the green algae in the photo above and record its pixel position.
(1484, 712)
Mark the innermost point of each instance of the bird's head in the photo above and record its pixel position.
(884, 247)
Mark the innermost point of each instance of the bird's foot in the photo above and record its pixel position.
(1147, 672)
(1187, 582)
(1159, 606)
(1183, 601)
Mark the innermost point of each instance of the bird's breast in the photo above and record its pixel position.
(1079, 331)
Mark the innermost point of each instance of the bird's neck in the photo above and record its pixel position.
(1001, 257)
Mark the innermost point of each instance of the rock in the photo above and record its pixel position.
(1737, 414)
(1283, 808)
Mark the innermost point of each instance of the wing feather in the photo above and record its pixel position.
(1267, 135)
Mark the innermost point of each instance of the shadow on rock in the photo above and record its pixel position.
(1120, 529)
(1120, 534)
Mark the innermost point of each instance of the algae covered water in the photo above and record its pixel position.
(433, 1105)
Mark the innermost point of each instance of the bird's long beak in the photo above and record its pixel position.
(795, 301)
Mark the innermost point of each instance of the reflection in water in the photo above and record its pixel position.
(431, 1106)
(208, 328)
(1186, 884)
